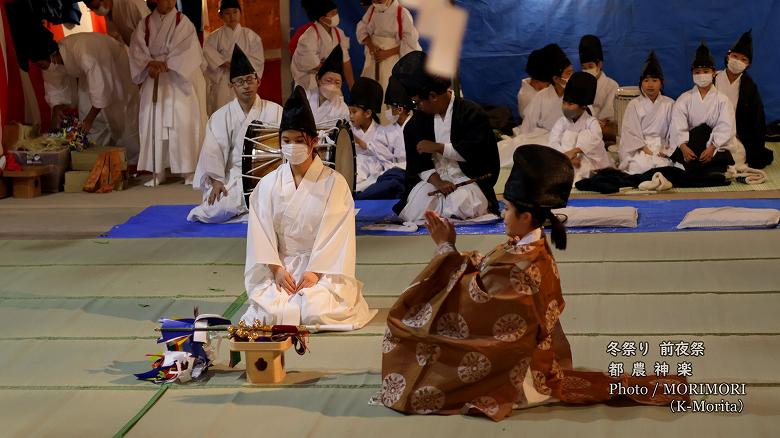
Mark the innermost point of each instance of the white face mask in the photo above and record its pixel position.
(594, 71)
(390, 117)
(334, 20)
(736, 66)
(295, 153)
(381, 7)
(102, 11)
(703, 80)
(330, 91)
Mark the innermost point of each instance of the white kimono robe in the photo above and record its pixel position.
(585, 134)
(716, 111)
(525, 95)
(396, 143)
(308, 228)
(181, 105)
(384, 31)
(100, 65)
(466, 202)
(646, 123)
(124, 17)
(604, 103)
(542, 113)
(373, 161)
(730, 89)
(328, 112)
(220, 159)
(314, 45)
(217, 50)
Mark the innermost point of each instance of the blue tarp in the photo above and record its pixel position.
(501, 34)
(654, 216)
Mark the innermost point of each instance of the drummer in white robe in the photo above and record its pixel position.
(578, 134)
(326, 101)
(544, 110)
(592, 61)
(387, 31)
(705, 108)
(317, 42)
(300, 258)
(165, 47)
(538, 79)
(644, 136)
(373, 155)
(218, 49)
(100, 65)
(220, 167)
(122, 16)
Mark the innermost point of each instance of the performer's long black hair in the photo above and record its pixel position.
(540, 216)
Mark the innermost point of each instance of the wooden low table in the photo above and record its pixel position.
(27, 182)
(264, 360)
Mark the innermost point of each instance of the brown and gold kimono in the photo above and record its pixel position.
(482, 334)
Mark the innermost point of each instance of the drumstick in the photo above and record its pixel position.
(464, 183)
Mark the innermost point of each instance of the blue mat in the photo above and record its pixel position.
(654, 216)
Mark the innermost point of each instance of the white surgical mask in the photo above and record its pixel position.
(330, 91)
(703, 80)
(562, 82)
(594, 71)
(334, 20)
(390, 117)
(295, 153)
(736, 66)
(102, 11)
(381, 7)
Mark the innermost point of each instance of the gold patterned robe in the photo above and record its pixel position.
(482, 335)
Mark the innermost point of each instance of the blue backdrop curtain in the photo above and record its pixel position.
(501, 34)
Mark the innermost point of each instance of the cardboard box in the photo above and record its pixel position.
(74, 180)
(86, 159)
(59, 160)
(13, 133)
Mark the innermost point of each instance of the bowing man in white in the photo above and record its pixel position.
(300, 257)
(122, 16)
(373, 154)
(220, 167)
(326, 101)
(709, 113)
(387, 31)
(165, 47)
(317, 42)
(538, 79)
(592, 61)
(544, 110)
(218, 49)
(644, 138)
(100, 64)
(578, 134)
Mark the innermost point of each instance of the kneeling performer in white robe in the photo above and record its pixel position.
(300, 257)
(219, 171)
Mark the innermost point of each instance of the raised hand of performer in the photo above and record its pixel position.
(308, 279)
(429, 147)
(283, 279)
(440, 229)
(218, 190)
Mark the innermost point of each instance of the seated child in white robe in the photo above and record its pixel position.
(300, 258)
(538, 79)
(220, 166)
(373, 154)
(578, 134)
(544, 110)
(644, 136)
(592, 61)
(326, 101)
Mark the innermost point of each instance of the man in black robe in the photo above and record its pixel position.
(448, 141)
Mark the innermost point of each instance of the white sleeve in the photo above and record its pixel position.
(410, 40)
(344, 45)
(451, 153)
(631, 137)
(608, 110)
(256, 54)
(306, 57)
(678, 132)
(533, 113)
(724, 127)
(362, 31)
(592, 143)
(556, 133)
